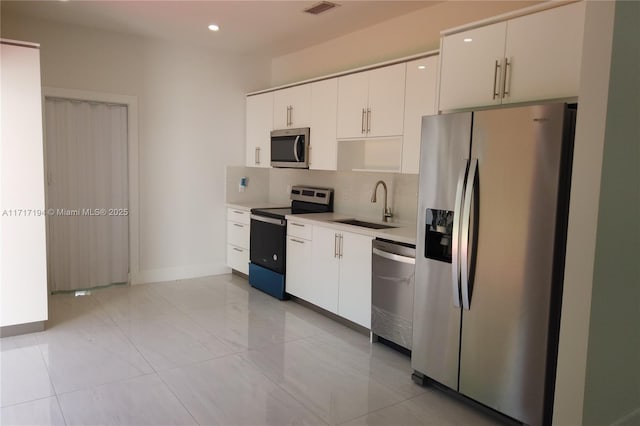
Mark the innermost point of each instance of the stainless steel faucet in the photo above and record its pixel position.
(386, 212)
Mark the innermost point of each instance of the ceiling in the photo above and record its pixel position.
(270, 27)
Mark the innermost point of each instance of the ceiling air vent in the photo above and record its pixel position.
(321, 7)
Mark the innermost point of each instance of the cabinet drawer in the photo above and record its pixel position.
(240, 216)
(300, 230)
(238, 234)
(298, 269)
(238, 258)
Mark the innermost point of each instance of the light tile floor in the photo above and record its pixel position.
(208, 351)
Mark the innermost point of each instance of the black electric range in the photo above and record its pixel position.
(267, 250)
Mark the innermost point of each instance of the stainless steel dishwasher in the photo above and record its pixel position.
(392, 282)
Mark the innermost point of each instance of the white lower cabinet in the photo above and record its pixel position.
(354, 296)
(238, 258)
(332, 271)
(299, 262)
(325, 276)
(238, 225)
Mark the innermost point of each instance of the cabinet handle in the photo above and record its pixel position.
(364, 111)
(296, 241)
(507, 65)
(296, 224)
(335, 245)
(257, 155)
(237, 249)
(290, 115)
(495, 79)
(238, 225)
(368, 120)
(239, 212)
(340, 247)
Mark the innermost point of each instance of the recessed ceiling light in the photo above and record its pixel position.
(468, 40)
(421, 67)
(213, 27)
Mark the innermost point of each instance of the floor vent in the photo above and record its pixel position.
(321, 7)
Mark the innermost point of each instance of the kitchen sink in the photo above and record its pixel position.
(362, 223)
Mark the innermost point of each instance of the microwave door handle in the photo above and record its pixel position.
(295, 148)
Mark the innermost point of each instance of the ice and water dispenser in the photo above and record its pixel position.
(438, 235)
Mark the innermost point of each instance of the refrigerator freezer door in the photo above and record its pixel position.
(504, 333)
(436, 321)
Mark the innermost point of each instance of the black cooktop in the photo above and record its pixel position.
(303, 200)
(276, 213)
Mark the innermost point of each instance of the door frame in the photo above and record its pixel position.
(133, 161)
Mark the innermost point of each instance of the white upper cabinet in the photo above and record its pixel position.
(258, 130)
(470, 69)
(528, 58)
(371, 103)
(386, 101)
(544, 51)
(324, 111)
(420, 100)
(353, 99)
(292, 107)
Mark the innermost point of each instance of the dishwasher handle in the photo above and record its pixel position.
(393, 256)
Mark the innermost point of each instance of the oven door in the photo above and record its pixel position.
(290, 148)
(268, 242)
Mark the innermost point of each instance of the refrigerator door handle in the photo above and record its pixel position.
(464, 230)
(455, 249)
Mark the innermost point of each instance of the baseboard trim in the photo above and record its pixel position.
(180, 273)
(18, 329)
(331, 315)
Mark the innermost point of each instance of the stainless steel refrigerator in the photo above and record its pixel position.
(493, 206)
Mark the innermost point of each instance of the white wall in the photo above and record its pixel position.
(405, 35)
(191, 123)
(583, 214)
(612, 387)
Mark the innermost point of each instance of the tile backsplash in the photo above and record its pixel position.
(257, 189)
(353, 190)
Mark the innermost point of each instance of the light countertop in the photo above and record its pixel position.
(404, 233)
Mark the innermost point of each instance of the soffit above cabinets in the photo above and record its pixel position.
(270, 28)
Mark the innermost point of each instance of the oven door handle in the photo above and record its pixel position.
(279, 222)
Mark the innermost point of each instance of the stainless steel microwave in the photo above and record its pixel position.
(290, 148)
